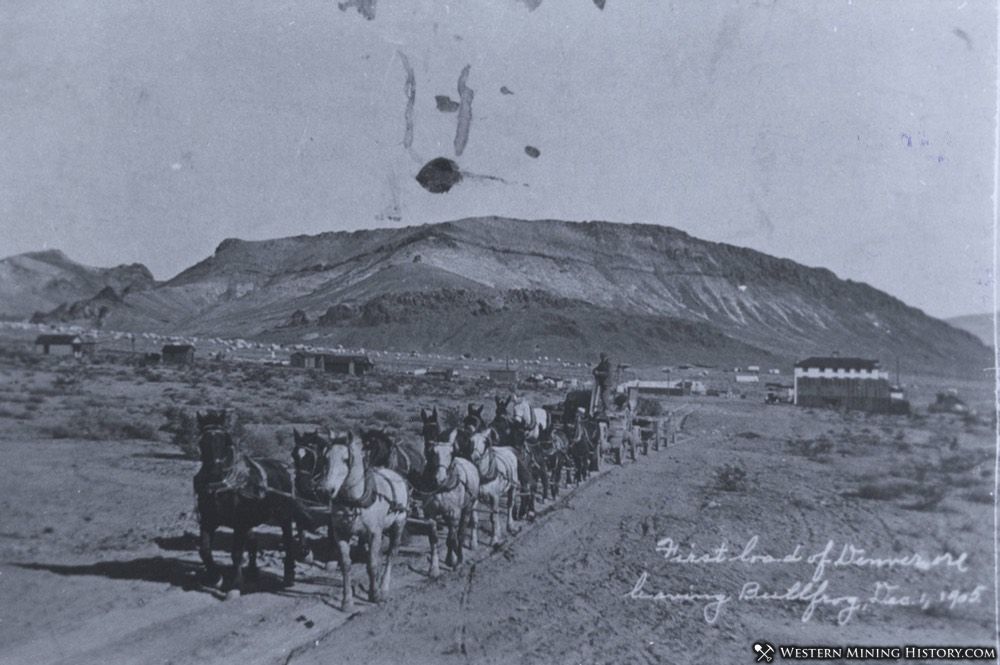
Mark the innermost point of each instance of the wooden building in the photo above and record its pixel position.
(507, 376)
(848, 383)
(354, 365)
(177, 354)
(64, 345)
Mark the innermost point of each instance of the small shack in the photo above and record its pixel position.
(177, 354)
(507, 376)
(354, 365)
(64, 345)
(304, 360)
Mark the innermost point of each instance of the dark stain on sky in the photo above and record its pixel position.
(410, 90)
(465, 95)
(600, 4)
(532, 151)
(964, 36)
(532, 4)
(504, 90)
(365, 7)
(446, 104)
(439, 175)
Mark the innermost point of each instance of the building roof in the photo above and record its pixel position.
(57, 339)
(838, 362)
(176, 348)
(345, 358)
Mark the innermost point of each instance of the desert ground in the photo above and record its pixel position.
(687, 555)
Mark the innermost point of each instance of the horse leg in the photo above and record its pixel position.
(432, 538)
(343, 548)
(473, 523)
(373, 564)
(239, 542)
(395, 538)
(212, 575)
(451, 559)
(510, 509)
(302, 546)
(463, 519)
(495, 529)
(288, 539)
(253, 574)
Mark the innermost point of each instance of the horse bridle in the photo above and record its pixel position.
(315, 473)
(220, 464)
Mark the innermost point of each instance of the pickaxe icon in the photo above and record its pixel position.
(764, 651)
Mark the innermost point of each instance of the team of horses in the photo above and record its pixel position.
(366, 484)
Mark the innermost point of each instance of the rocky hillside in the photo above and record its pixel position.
(980, 325)
(491, 285)
(39, 281)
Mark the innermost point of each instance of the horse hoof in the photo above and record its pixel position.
(212, 579)
(233, 594)
(434, 573)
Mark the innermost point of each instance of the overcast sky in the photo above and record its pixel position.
(849, 134)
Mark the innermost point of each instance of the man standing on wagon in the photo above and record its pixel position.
(602, 383)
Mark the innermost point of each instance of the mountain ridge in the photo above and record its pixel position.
(608, 272)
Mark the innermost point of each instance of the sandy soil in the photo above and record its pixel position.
(98, 561)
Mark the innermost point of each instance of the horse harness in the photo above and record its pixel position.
(370, 494)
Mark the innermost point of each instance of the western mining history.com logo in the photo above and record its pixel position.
(765, 652)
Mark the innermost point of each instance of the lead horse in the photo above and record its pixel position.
(240, 492)
(367, 501)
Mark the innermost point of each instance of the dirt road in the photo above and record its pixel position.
(96, 566)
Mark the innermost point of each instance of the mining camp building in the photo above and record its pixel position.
(849, 383)
(64, 345)
(354, 365)
(177, 354)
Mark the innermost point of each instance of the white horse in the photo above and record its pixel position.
(454, 500)
(497, 468)
(364, 501)
(534, 420)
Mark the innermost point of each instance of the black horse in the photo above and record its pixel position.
(545, 457)
(584, 446)
(240, 492)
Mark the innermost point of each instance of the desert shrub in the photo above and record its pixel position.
(301, 396)
(649, 407)
(183, 428)
(963, 461)
(386, 417)
(748, 435)
(731, 478)
(978, 496)
(929, 498)
(144, 373)
(886, 490)
(102, 424)
(811, 448)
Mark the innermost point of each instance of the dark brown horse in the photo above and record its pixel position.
(584, 446)
(240, 492)
(545, 457)
(383, 450)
